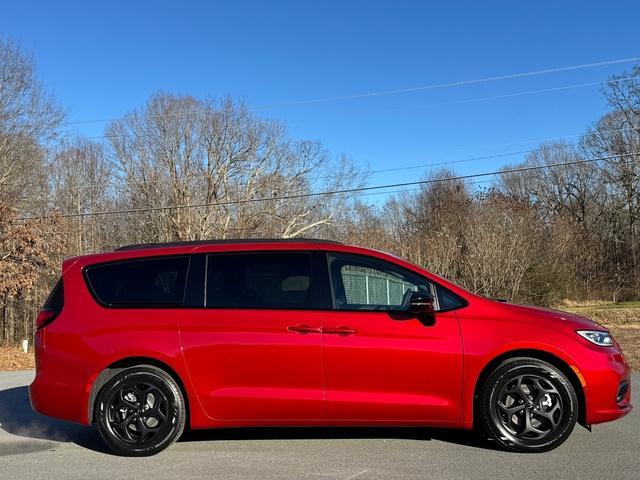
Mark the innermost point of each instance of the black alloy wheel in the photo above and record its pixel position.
(528, 405)
(140, 411)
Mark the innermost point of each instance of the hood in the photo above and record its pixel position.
(567, 319)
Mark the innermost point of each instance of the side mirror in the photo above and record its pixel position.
(421, 305)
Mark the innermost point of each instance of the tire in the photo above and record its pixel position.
(140, 411)
(528, 405)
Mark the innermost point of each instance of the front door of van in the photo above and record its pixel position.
(382, 366)
(253, 352)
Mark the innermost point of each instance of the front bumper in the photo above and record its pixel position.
(607, 398)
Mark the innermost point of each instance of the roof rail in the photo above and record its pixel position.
(138, 246)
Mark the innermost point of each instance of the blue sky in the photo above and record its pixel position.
(104, 59)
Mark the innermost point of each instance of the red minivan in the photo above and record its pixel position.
(151, 339)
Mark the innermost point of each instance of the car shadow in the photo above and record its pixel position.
(467, 438)
(39, 433)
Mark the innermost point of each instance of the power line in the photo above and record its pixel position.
(418, 88)
(409, 190)
(544, 139)
(413, 167)
(358, 195)
(481, 147)
(453, 162)
(416, 107)
(368, 172)
(458, 83)
(519, 94)
(333, 192)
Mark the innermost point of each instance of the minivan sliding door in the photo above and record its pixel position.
(253, 350)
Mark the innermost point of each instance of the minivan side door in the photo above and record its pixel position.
(253, 351)
(380, 364)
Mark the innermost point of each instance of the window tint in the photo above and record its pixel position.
(149, 282)
(448, 300)
(362, 283)
(56, 297)
(259, 280)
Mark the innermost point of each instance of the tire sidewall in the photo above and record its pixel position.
(492, 389)
(176, 415)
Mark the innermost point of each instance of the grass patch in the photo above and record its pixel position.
(569, 305)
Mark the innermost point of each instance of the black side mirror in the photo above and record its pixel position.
(421, 305)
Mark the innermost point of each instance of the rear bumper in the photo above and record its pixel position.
(59, 389)
(606, 397)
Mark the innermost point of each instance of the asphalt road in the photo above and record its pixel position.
(33, 446)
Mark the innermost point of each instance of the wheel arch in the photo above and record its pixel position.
(543, 355)
(122, 364)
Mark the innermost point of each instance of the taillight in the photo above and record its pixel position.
(45, 317)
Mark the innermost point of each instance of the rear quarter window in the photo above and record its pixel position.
(150, 282)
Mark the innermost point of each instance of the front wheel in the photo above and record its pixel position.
(528, 405)
(140, 411)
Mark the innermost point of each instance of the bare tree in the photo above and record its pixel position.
(81, 182)
(29, 120)
(180, 151)
(500, 241)
(617, 135)
(623, 94)
(438, 216)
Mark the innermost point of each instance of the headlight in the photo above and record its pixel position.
(603, 339)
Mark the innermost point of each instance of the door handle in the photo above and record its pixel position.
(341, 330)
(303, 328)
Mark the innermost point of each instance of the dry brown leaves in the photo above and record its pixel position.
(28, 248)
(13, 358)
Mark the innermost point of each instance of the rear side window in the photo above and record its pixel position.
(259, 280)
(55, 301)
(142, 282)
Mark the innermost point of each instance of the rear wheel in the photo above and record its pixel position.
(140, 411)
(528, 405)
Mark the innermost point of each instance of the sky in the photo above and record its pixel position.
(103, 59)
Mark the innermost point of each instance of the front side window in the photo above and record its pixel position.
(448, 300)
(140, 282)
(363, 283)
(276, 280)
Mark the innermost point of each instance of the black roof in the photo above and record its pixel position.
(138, 246)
